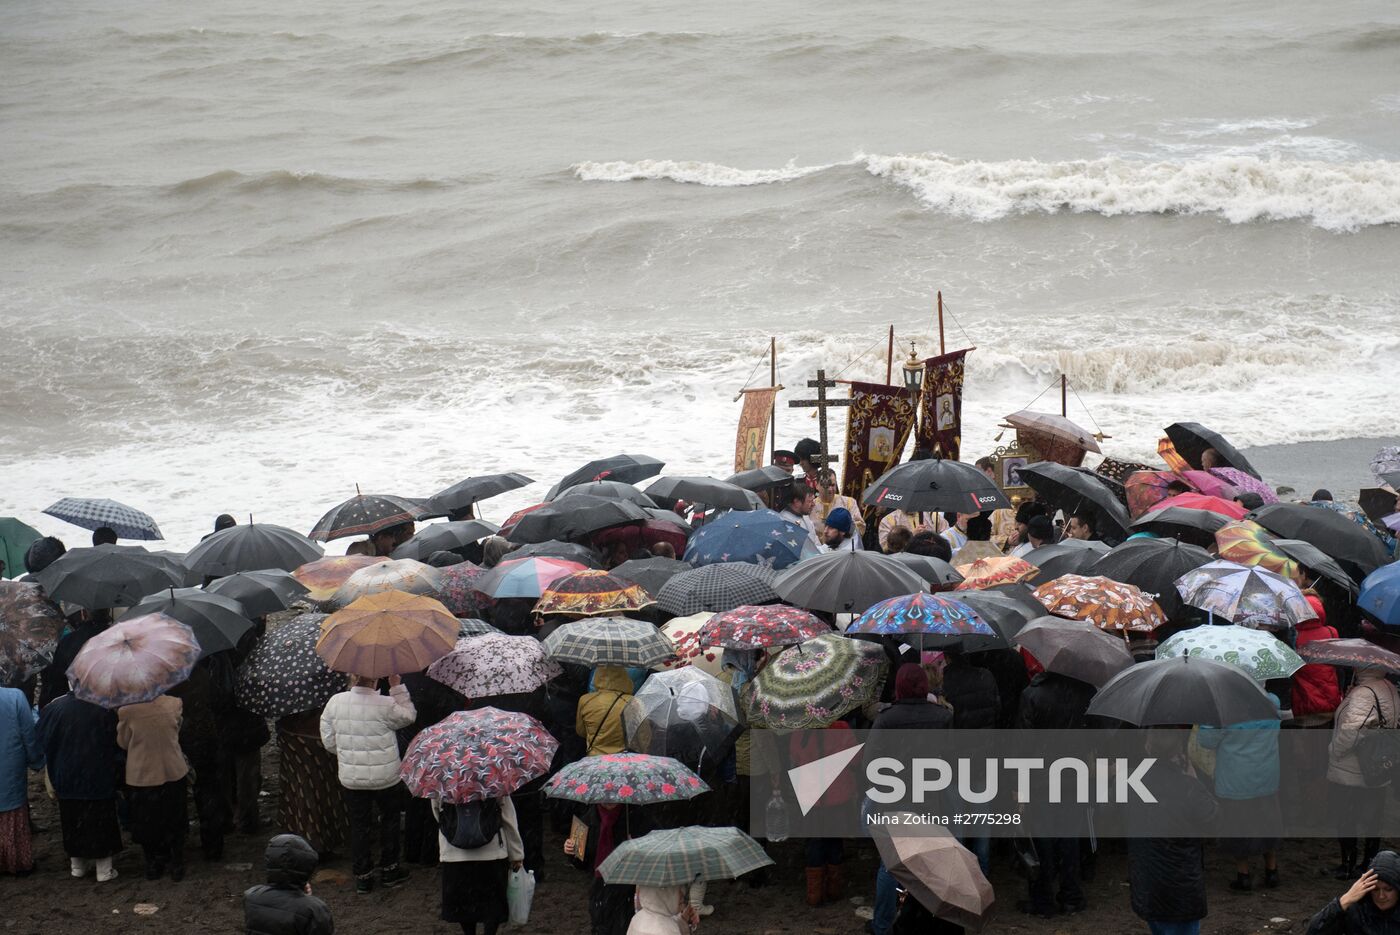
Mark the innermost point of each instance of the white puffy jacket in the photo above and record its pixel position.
(358, 728)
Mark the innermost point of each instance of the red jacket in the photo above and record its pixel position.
(1315, 689)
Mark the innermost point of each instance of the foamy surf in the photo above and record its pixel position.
(691, 173)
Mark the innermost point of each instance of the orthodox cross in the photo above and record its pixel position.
(821, 383)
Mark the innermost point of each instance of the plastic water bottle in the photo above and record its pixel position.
(775, 818)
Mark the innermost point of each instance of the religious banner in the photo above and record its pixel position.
(877, 427)
(749, 449)
(940, 409)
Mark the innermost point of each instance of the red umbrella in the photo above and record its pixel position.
(1198, 501)
(759, 627)
(1146, 489)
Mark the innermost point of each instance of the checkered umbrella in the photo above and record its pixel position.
(756, 537)
(684, 633)
(592, 593)
(750, 627)
(715, 588)
(625, 779)
(473, 626)
(218, 622)
(494, 664)
(260, 592)
(677, 856)
(109, 576)
(814, 683)
(92, 513)
(30, 625)
(323, 576)
(364, 515)
(402, 574)
(609, 641)
(1251, 597)
(133, 661)
(284, 674)
(469, 756)
(251, 548)
(1105, 603)
(1258, 653)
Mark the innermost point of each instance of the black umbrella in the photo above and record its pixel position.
(1191, 439)
(260, 592)
(218, 622)
(251, 548)
(573, 517)
(846, 582)
(933, 570)
(467, 492)
(609, 489)
(760, 478)
(193, 579)
(650, 573)
(109, 576)
(1317, 561)
(444, 537)
(1153, 565)
(1331, 532)
(1197, 527)
(365, 515)
(1075, 648)
(1377, 503)
(625, 468)
(1071, 490)
(705, 490)
(1070, 557)
(935, 486)
(571, 551)
(1183, 690)
(1007, 608)
(672, 517)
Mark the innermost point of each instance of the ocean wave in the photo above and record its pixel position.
(691, 173)
(287, 179)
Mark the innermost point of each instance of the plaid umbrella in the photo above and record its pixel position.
(625, 779)
(1380, 595)
(365, 515)
(92, 513)
(678, 856)
(754, 537)
(133, 661)
(387, 634)
(814, 683)
(109, 576)
(990, 572)
(1110, 605)
(609, 641)
(1152, 566)
(251, 548)
(1245, 542)
(15, 539)
(1075, 648)
(464, 493)
(459, 589)
(1354, 653)
(760, 627)
(1197, 527)
(591, 593)
(30, 625)
(444, 537)
(1146, 489)
(494, 664)
(1251, 597)
(716, 588)
(472, 626)
(284, 675)
(1254, 651)
(939, 872)
(627, 469)
(650, 573)
(260, 593)
(324, 576)
(684, 713)
(402, 574)
(937, 619)
(846, 581)
(469, 756)
(611, 489)
(684, 633)
(525, 577)
(1199, 501)
(218, 622)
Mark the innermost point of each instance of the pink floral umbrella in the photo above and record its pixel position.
(460, 591)
(469, 756)
(134, 661)
(759, 627)
(625, 779)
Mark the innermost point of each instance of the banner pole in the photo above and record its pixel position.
(889, 359)
(942, 344)
(773, 411)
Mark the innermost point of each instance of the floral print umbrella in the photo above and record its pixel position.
(592, 593)
(1245, 542)
(1108, 604)
(609, 641)
(459, 589)
(1354, 653)
(134, 661)
(1251, 597)
(990, 572)
(403, 574)
(322, 577)
(284, 675)
(814, 683)
(684, 632)
(1246, 483)
(1146, 489)
(470, 756)
(495, 664)
(928, 614)
(30, 625)
(1256, 652)
(625, 778)
(387, 634)
(525, 577)
(759, 627)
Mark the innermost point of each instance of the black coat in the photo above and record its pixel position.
(1167, 875)
(55, 675)
(1054, 702)
(285, 910)
(80, 746)
(913, 714)
(973, 694)
(1361, 919)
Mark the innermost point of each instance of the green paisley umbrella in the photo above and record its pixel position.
(814, 683)
(1257, 652)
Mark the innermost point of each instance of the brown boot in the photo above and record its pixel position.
(831, 883)
(815, 879)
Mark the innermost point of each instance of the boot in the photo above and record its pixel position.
(177, 862)
(1242, 883)
(697, 898)
(155, 867)
(105, 871)
(815, 877)
(78, 867)
(392, 875)
(1271, 878)
(832, 887)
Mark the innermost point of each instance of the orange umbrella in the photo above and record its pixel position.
(388, 633)
(1245, 542)
(592, 593)
(1107, 604)
(990, 572)
(323, 576)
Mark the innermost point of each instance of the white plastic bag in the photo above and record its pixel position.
(520, 892)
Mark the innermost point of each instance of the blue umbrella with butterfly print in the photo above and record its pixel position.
(753, 537)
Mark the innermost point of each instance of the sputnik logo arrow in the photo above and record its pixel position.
(811, 780)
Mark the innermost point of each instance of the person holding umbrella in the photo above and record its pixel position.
(156, 774)
(18, 748)
(80, 746)
(1372, 702)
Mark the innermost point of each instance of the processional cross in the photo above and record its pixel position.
(821, 403)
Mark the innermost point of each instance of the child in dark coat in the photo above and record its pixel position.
(284, 905)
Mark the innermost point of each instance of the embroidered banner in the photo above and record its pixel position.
(878, 424)
(749, 449)
(940, 409)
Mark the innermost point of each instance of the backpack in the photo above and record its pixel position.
(470, 825)
(1378, 750)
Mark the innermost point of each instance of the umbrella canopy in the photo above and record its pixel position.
(323, 577)
(814, 683)
(936, 619)
(191, 579)
(650, 573)
(934, 570)
(1184, 690)
(760, 478)
(592, 593)
(1380, 530)
(1108, 604)
(402, 574)
(627, 469)
(677, 856)
(365, 515)
(253, 547)
(704, 490)
(389, 633)
(260, 593)
(1354, 653)
(609, 641)
(525, 577)
(95, 513)
(1251, 597)
(757, 537)
(1007, 608)
(625, 779)
(494, 664)
(1065, 488)
(684, 633)
(133, 661)
(218, 622)
(683, 713)
(1054, 426)
(1245, 542)
(1316, 563)
(1246, 483)
(715, 588)
(464, 493)
(1260, 655)
(109, 576)
(609, 489)
(1199, 501)
(1376, 502)
(991, 572)
(30, 625)
(470, 756)
(15, 539)
(568, 551)
(1333, 533)
(1196, 527)
(1386, 461)
(1380, 595)
(935, 485)
(760, 627)
(1191, 439)
(846, 582)
(1069, 557)
(472, 626)
(940, 873)
(284, 675)
(444, 537)
(459, 589)
(1075, 648)
(1146, 489)
(573, 517)
(1152, 566)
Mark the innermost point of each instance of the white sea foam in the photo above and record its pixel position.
(689, 172)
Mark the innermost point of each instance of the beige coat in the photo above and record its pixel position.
(150, 735)
(1360, 709)
(599, 720)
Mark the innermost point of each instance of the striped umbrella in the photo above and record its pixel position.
(387, 634)
(677, 856)
(473, 755)
(609, 641)
(814, 683)
(716, 588)
(284, 674)
(990, 572)
(365, 515)
(525, 577)
(750, 627)
(94, 513)
(1108, 604)
(322, 577)
(592, 593)
(1245, 542)
(133, 661)
(1251, 597)
(1256, 652)
(402, 574)
(625, 779)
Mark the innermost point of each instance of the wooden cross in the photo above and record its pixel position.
(821, 403)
